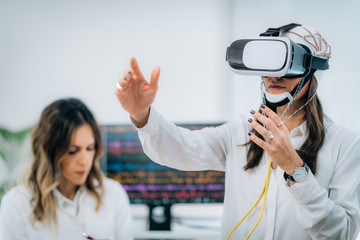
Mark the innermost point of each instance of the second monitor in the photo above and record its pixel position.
(152, 184)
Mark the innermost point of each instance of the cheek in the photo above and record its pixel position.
(66, 166)
(293, 85)
(91, 158)
(304, 90)
(265, 81)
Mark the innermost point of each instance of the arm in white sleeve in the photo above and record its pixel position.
(181, 148)
(333, 214)
(12, 216)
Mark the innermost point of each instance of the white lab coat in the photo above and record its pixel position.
(113, 221)
(325, 206)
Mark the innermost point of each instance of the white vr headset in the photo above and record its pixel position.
(272, 57)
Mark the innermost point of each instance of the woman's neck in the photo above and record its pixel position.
(68, 190)
(290, 119)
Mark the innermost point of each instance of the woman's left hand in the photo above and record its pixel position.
(277, 140)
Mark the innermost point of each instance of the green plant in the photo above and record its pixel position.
(15, 153)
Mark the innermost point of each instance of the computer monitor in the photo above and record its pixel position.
(147, 182)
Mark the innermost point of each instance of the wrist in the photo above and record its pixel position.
(140, 119)
(300, 174)
(290, 168)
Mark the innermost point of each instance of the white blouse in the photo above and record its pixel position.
(112, 221)
(325, 206)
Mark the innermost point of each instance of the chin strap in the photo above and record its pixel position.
(277, 100)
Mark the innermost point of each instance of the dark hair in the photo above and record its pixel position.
(314, 116)
(51, 138)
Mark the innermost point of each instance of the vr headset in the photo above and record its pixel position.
(273, 56)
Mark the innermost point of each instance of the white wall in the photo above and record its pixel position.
(55, 49)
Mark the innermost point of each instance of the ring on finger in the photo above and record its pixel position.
(280, 123)
(120, 87)
(268, 139)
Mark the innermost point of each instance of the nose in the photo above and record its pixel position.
(85, 158)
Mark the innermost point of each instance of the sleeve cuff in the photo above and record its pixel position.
(304, 191)
(312, 200)
(151, 125)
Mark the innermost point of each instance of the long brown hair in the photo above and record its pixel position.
(51, 138)
(314, 116)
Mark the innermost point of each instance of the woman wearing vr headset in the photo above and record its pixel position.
(305, 167)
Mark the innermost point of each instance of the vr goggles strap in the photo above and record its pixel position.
(275, 32)
(306, 78)
(313, 62)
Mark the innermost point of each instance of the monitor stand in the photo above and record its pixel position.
(159, 217)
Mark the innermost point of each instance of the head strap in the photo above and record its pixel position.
(275, 32)
(311, 62)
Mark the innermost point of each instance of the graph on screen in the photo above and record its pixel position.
(147, 182)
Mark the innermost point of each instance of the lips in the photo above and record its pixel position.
(80, 173)
(275, 87)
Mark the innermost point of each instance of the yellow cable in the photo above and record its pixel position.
(263, 191)
(264, 200)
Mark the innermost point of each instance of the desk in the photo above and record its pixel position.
(190, 222)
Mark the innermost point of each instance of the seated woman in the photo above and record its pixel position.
(65, 195)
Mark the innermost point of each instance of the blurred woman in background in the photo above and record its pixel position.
(65, 195)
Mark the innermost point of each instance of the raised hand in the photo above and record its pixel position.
(135, 94)
(277, 140)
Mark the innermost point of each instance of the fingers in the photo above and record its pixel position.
(270, 120)
(123, 82)
(135, 66)
(137, 73)
(260, 129)
(133, 79)
(269, 125)
(258, 141)
(265, 120)
(266, 134)
(155, 77)
(273, 116)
